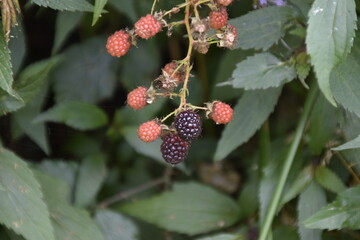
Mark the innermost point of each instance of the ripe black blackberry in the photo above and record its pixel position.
(188, 125)
(174, 149)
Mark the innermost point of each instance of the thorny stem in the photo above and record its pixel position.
(186, 60)
(265, 229)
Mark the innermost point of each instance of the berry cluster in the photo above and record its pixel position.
(186, 126)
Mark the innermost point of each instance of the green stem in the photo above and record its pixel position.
(288, 162)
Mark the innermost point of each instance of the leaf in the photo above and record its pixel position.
(350, 125)
(302, 5)
(262, 28)
(87, 64)
(24, 117)
(17, 47)
(223, 237)
(115, 226)
(151, 149)
(303, 67)
(322, 125)
(21, 206)
(345, 84)
(91, 175)
(78, 115)
(66, 22)
(69, 222)
(64, 171)
(99, 6)
(203, 208)
(304, 178)
(67, 5)
(147, 56)
(353, 144)
(126, 7)
(341, 213)
(310, 201)
(329, 37)
(247, 203)
(284, 232)
(246, 120)
(29, 83)
(261, 71)
(329, 180)
(127, 116)
(227, 64)
(6, 74)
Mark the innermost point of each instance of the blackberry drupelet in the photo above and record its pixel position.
(174, 149)
(188, 125)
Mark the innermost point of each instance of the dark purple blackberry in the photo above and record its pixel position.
(174, 149)
(188, 125)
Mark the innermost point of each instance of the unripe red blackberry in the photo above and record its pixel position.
(136, 99)
(147, 26)
(221, 112)
(149, 131)
(118, 44)
(174, 149)
(218, 18)
(188, 125)
(225, 2)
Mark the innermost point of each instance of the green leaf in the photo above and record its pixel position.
(29, 83)
(21, 206)
(350, 125)
(17, 47)
(99, 6)
(329, 37)
(115, 226)
(89, 179)
(353, 144)
(246, 120)
(226, 65)
(64, 171)
(67, 5)
(304, 178)
(247, 203)
(151, 149)
(262, 28)
(6, 74)
(303, 67)
(66, 22)
(222, 237)
(342, 213)
(302, 5)
(310, 201)
(261, 71)
(147, 56)
(126, 7)
(345, 85)
(78, 115)
(284, 232)
(203, 208)
(322, 125)
(68, 222)
(87, 64)
(329, 180)
(24, 117)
